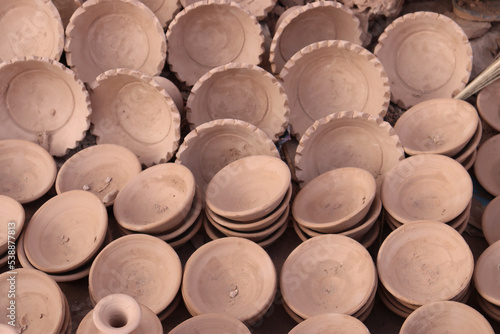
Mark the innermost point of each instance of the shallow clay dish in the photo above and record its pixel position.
(446, 317)
(488, 106)
(426, 55)
(335, 200)
(44, 102)
(211, 323)
(104, 35)
(439, 126)
(240, 91)
(213, 145)
(333, 323)
(332, 76)
(156, 200)
(314, 22)
(211, 33)
(11, 221)
(486, 274)
(348, 139)
(66, 232)
(248, 188)
(232, 276)
(426, 187)
(486, 167)
(30, 28)
(327, 274)
(132, 110)
(425, 261)
(100, 169)
(36, 294)
(141, 266)
(489, 221)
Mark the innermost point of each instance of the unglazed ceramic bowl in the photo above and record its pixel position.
(240, 91)
(336, 200)
(30, 28)
(211, 33)
(487, 105)
(11, 222)
(446, 317)
(486, 166)
(156, 200)
(44, 102)
(100, 169)
(330, 323)
(425, 55)
(486, 274)
(104, 35)
(213, 145)
(425, 261)
(311, 23)
(489, 221)
(249, 188)
(232, 276)
(426, 187)
(348, 139)
(36, 294)
(66, 232)
(141, 266)
(328, 274)
(332, 76)
(439, 126)
(211, 323)
(132, 110)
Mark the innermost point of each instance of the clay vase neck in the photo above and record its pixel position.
(117, 314)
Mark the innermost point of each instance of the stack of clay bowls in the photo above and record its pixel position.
(427, 187)
(11, 222)
(40, 305)
(444, 126)
(423, 262)
(64, 235)
(342, 201)
(486, 281)
(162, 201)
(249, 198)
(139, 265)
(231, 276)
(328, 274)
(486, 166)
(489, 221)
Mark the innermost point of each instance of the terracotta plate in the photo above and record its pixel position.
(486, 167)
(488, 106)
(211, 323)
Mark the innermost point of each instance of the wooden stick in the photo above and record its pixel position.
(490, 74)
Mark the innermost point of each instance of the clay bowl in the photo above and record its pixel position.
(213, 145)
(439, 126)
(58, 240)
(471, 146)
(426, 187)
(231, 276)
(424, 64)
(336, 200)
(313, 86)
(30, 28)
(172, 91)
(446, 317)
(348, 139)
(489, 221)
(36, 294)
(183, 238)
(156, 200)
(314, 22)
(103, 35)
(132, 110)
(486, 274)
(211, 33)
(327, 322)
(211, 323)
(11, 221)
(249, 188)
(486, 165)
(487, 105)
(425, 261)
(141, 266)
(43, 102)
(240, 91)
(327, 274)
(102, 170)
(256, 225)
